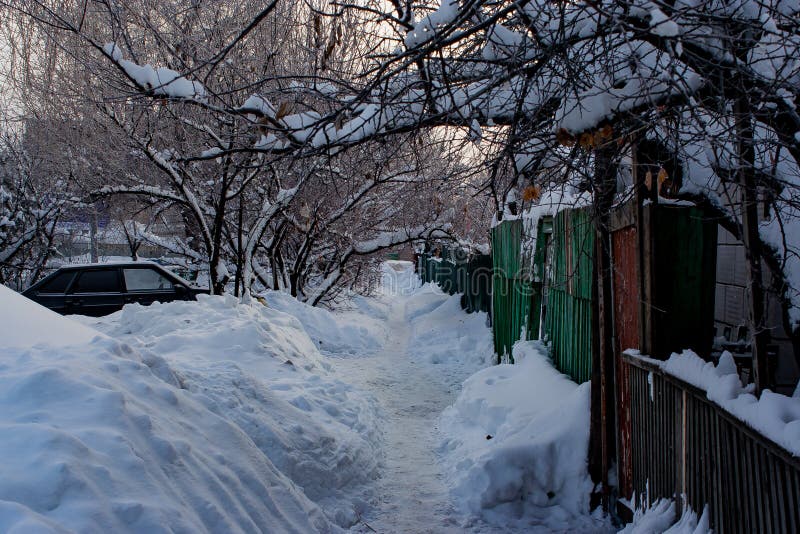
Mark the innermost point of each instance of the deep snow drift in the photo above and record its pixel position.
(25, 323)
(214, 416)
(257, 367)
(100, 437)
(517, 444)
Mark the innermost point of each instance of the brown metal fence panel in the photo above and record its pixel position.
(684, 445)
(626, 289)
(626, 329)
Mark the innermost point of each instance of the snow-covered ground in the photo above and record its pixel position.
(257, 367)
(213, 416)
(517, 446)
(98, 436)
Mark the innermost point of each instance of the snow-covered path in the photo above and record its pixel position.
(411, 495)
(453, 479)
(413, 377)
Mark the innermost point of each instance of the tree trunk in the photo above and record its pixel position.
(749, 191)
(93, 248)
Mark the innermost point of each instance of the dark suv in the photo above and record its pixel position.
(103, 288)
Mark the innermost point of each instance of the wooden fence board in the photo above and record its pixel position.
(683, 441)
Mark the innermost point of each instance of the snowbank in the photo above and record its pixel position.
(257, 367)
(100, 437)
(333, 333)
(517, 445)
(775, 416)
(24, 323)
(443, 333)
(660, 518)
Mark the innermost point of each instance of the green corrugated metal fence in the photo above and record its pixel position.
(477, 288)
(469, 276)
(568, 319)
(511, 313)
(543, 231)
(513, 293)
(685, 253)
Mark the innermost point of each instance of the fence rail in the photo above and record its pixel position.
(683, 444)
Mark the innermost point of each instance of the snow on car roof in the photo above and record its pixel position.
(113, 263)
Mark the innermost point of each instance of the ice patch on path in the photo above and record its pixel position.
(516, 451)
(256, 367)
(98, 437)
(660, 518)
(339, 333)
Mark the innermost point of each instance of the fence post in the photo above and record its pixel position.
(680, 453)
(602, 418)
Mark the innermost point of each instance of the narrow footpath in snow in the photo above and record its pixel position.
(467, 446)
(414, 379)
(411, 495)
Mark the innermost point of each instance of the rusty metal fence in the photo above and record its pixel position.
(685, 445)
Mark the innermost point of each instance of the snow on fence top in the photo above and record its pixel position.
(773, 415)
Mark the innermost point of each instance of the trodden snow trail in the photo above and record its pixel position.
(411, 495)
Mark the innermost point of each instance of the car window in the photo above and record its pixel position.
(97, 281)
(57, 284)
(145, 279)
